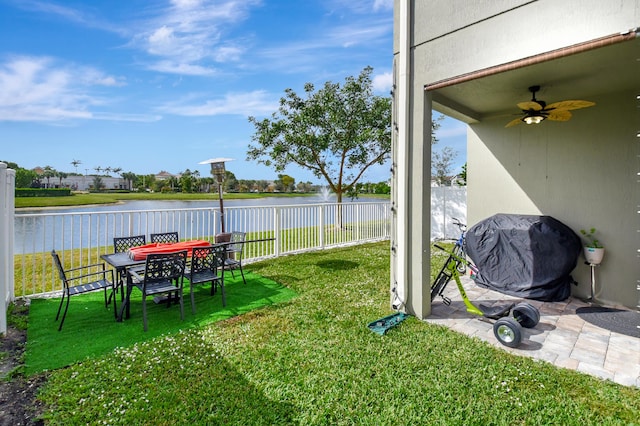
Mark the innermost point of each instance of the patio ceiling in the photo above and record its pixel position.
(611, 69)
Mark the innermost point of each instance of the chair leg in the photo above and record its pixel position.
(60, 305)
(193, 300)
(64, 315)
(114, 293)
(181, 307)
(144, 311)
(224, 296)
(242, 273)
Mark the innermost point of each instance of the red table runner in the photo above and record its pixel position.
(141, 252)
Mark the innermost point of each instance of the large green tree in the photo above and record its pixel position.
(336, 132)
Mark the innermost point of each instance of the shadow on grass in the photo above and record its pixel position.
(337, 264)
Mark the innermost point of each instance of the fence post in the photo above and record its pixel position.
(7, 209)
(276, 231)
(321, 225)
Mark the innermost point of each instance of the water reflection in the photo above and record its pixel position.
(186, 204)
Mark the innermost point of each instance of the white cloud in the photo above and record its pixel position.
(256, 103)
(75, 16)
(38, 89)
(382, 5)
(171, 67)
(382, 82)
(188, 36)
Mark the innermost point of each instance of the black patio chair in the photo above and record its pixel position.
(234, 250)
(165, 237)
(122, 245)
(163, 274)
(207, 266)
(83, 279)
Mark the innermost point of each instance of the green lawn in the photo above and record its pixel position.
(313, 361)
(79, 199)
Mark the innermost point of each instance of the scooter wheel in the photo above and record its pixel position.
(508, 332)
(527, 315)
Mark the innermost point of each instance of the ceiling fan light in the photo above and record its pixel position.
(533, 119)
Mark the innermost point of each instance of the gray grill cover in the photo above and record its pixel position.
(524, 256)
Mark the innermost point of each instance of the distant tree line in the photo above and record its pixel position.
(187, 181)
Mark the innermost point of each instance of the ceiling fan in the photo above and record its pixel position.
(535, 111)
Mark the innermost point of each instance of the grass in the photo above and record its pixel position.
(313, 361)
(79, 199)
(49, 349)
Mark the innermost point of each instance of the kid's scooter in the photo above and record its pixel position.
(508, 330)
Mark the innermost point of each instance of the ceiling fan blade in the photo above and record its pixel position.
(529, 105)
(559, 115)
(570, 105)
(513, 122)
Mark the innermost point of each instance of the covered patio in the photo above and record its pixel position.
(477, 66)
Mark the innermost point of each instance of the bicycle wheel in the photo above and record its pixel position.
(441, 281)
(460, 266)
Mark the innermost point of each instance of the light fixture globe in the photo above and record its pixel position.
(534, 118)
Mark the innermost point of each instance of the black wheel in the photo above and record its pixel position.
(508, 332)
(526, 314)
(439, 284)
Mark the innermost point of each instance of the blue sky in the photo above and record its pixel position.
(151, 85)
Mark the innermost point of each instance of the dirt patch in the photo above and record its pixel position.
(18, 404)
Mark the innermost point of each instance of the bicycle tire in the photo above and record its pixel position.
(460, 266)
(441, 281)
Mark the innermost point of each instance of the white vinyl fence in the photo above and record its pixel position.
(447, 202)
(7, 199)
(81, 238)
(26, 240)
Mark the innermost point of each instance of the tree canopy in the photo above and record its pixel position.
(336, 132)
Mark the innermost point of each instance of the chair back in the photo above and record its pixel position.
(165, 238)
(237, 243)
(61, 273)
(207, 258)
(165, 266)
(122, 244)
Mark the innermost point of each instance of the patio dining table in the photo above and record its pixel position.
(136, 257)
(121, 262)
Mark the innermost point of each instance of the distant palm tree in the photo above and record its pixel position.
(75, 164)
(107, 170)
(129, 177)
(98, 169)
(49, 172)
(62, 175)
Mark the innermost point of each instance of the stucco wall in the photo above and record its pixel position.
(581, 172)
(460, 36)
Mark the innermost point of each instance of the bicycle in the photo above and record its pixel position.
(459, 246)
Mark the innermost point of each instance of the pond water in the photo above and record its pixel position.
(89, 226)
(187, 204)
